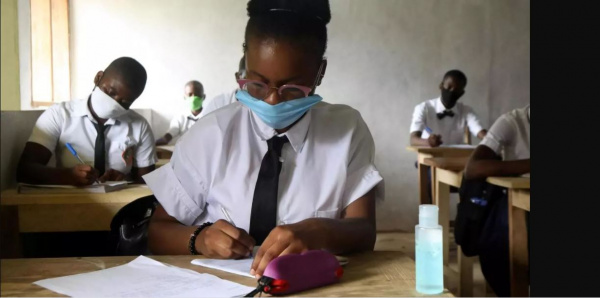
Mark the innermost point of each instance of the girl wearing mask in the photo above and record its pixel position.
(292, 172)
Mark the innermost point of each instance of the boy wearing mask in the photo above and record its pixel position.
(114, 142)
(194, 97)
(445, 116)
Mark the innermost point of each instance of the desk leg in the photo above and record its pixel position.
(465, 267)
(9, 233)
(443, 202)
(423, 177)
(519, 258)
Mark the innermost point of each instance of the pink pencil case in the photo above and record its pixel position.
(298, 272)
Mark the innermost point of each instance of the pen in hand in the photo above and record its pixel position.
(77, 156)
(228, 218)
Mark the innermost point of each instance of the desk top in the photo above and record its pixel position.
(130, 193)
(170, 148)
(161, 162)
(446, 151)
(367, 274)
(448, 163)
(511, 182)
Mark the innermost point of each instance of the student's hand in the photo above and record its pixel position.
(283, 240)
(161, 142)
(82, 175)
(112, 175)
(221, 240)
(435, 140)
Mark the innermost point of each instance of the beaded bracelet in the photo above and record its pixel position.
(192, 244)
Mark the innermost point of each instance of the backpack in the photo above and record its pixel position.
(129, 227)
(477, 197)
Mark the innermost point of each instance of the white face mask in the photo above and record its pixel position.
(105, 106)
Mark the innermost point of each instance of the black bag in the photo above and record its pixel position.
(477, 198)
(494, 250)
(129, 227)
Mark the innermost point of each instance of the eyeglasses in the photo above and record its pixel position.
(260, 90)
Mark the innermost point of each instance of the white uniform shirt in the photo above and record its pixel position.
(129, 140)
(452, 129)
(510, 135)
(327, 164)
(217, 102)
(181, 123)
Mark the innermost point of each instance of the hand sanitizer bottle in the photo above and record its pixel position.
(428, 253)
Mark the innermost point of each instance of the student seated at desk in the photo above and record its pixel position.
(116, 141)
(509, 138)
(292, 172)
(445, 116)
(194, 97)
(225, 98)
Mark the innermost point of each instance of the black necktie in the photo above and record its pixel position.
(100, 149)
(264, 204)
(444, 114)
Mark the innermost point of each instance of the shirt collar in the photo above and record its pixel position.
(296, 134)
(439, 106)
(192, 117)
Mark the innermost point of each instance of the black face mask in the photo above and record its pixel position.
(449, 98)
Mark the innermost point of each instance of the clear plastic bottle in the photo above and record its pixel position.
(429, 256)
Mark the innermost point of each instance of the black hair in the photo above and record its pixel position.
(302, 22)
(131, 72)
(457, 75)
(196, 85)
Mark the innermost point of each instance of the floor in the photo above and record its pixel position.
(405, 242)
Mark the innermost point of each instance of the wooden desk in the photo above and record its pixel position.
(165, 151)
(161, 162)
(368, 274)
(429, 152)
(518, 206)
(511, 182)
(63, 212)
(449, 172)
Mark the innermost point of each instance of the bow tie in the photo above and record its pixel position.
(444, 114)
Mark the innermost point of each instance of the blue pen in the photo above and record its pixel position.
(428, 130)
(77, 156)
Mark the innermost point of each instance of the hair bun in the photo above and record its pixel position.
(318, 9)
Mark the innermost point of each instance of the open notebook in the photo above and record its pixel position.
(105, 187)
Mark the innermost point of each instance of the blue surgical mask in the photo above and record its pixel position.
(280, 115)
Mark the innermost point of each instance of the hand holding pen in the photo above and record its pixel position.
(82, 174)
(434, 140)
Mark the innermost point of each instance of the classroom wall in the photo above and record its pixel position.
(9, 77)
(385, 56)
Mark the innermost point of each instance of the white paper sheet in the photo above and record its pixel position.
(240, 267)
(461, 146)
(144, 277)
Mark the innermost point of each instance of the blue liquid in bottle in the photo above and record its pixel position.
(429, 252)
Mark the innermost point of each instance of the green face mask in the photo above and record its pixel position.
(194, 102)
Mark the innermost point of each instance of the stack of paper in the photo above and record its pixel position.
(459, 146)
(240, 267)
(105, 187)
(144, 277)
